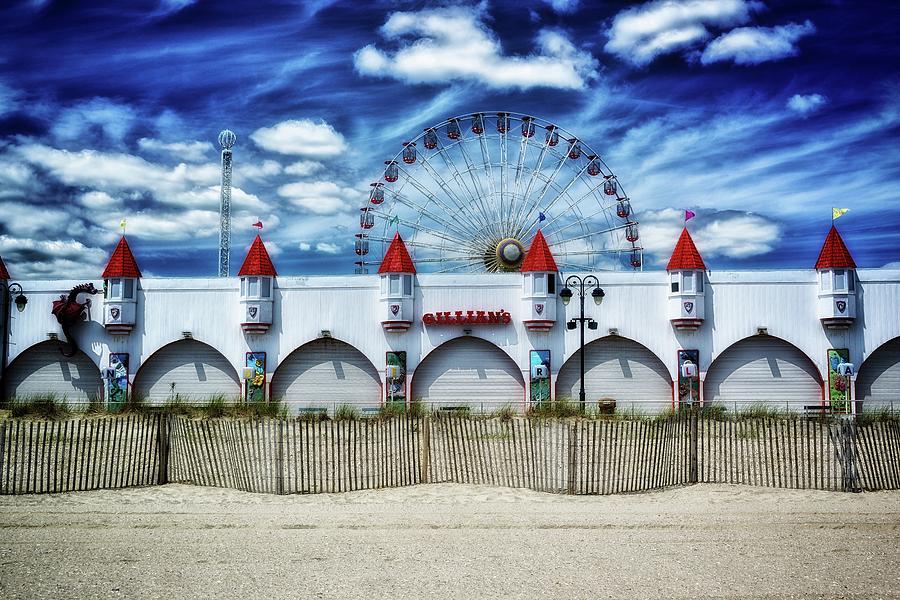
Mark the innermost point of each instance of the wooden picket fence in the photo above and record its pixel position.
(283, 456)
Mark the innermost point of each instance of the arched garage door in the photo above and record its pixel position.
(762, 370)
(468, 371)
(189, 370)
(878, 382)
(620, 369)
(43, 370)
(328, 373)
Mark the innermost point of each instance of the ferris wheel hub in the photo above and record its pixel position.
(509, 252)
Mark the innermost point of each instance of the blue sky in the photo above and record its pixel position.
(759, 116)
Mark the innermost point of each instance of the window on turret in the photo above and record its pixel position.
(551, 285)
(129, 289)
(687, 281)
(825, 281)
(253, 287)
(851, 281)
(266, 287)
(699, 283)
(840, 280)
(407, 285)
(675, 283)
(394, 285)
(537, 283)
(115, 289)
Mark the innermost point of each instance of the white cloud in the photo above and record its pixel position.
(258, 172)
(187, 151)
(301, 137)
(113, 119)
(304, 246)
(304, 168)
(806, 104)
(565, 7)
(43, 259)
(732, 234)
(891, 265)
(320, 197)
(754, 45)
(642, 33)
(98, 200)
(327, 248)
(454, 44)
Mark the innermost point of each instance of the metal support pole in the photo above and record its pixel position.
(581, 394)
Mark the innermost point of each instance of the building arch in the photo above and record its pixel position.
(878, 377)
(468, 371)
(327, 372)
(618, 369)
(42, 370)
(188, 370)
(763, 369)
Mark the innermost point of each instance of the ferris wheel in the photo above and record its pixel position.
(468, 195)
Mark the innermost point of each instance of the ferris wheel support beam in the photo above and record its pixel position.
(470, 165)
(591, 234)
(445, 186)
(427, 193)
(417, 227)
(564, 191)
(458, 179)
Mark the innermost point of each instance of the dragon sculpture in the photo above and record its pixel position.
(68, 311)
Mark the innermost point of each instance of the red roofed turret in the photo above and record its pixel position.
(539, 258)
(836, 272)
(4, 274)
(834, 253)
(121, 263)
(397, 259)
(257, 261)
(120, 290)
(685, 256)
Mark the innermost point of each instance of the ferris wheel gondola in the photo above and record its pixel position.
(469, 194)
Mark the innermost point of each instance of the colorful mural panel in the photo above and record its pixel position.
(395, 388)
(688, 376)
(838, 385)
(117, 382)
(539, 388)
(255, 388)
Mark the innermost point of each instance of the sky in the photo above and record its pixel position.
(759, 116)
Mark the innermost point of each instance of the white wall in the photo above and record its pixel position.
(737, 303)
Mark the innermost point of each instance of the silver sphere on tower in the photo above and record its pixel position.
(227, 138)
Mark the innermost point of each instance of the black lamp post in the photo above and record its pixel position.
(581, 284)
(15, 290)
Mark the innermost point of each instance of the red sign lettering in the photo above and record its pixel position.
(469, 317)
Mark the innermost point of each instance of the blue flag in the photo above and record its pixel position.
(541, 217)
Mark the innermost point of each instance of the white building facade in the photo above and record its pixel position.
(483, 340)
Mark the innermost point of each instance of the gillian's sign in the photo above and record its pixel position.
(469, 317)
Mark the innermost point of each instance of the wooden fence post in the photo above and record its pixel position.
(694, 444)
(424, 449)
(162, 440)
(279, 460)
(848, 456)
(2, 453)
(573, 440)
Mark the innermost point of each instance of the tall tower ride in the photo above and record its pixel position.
(227, 138)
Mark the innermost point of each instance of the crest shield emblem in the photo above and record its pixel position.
(539, 309)
(114, 312)
(395, 308)
(841, 305)
(252, 310)
(688, 307)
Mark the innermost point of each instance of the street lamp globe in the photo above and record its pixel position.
(565, 295)
(598, 295)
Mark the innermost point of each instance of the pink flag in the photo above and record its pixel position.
(258, 225)
(688, 215)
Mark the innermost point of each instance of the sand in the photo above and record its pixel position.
(450, 541)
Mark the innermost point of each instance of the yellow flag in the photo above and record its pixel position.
(122, 225)
(837, 213)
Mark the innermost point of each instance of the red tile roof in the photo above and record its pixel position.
(685, 256)
(834, 254)
(257, 262)
(539, 258)
(4, 274)
(121, 263)
(396, 259)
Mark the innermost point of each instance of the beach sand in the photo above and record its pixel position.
(450, 541)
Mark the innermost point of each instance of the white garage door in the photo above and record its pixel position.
(327, 373)
(468, 371)
(188, 370)
(762, 370)
(616, 368)
(43, 370)
(878, 383)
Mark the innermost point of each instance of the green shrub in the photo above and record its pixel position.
(345, 412)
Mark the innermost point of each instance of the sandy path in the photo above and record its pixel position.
(453, 541)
